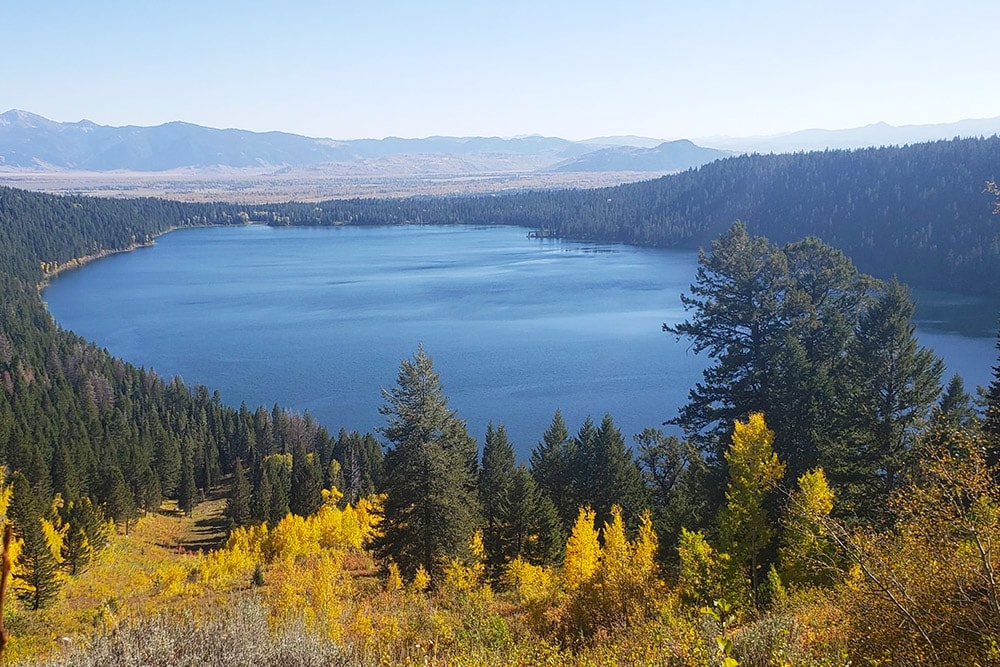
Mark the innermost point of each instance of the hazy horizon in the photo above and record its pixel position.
(573, 70)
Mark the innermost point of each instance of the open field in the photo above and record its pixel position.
(264, 185)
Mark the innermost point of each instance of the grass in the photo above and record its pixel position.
(140, 574)
(238, 634)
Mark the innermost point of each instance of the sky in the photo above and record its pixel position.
(575, 69)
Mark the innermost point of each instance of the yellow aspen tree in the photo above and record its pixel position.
(421, 580)
(615, 563)
(643, 560)
(806, 553)
(393, 580)
(626, 589)
(754, 471)
(582, 551)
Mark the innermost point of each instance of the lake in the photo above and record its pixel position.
(318, 319)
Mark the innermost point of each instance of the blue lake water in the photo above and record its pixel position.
(318, 319)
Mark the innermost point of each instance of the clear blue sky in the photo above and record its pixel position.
(574, 69)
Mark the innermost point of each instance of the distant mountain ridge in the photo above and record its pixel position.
(30, 141)
(667, 156)
(874, 135)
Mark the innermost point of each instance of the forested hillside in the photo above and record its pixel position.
(918, 212)
(97, 431)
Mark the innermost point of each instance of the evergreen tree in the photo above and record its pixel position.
(680, 487)
(120, 504)
(896, 384)
(306, 493)
(360, 461)
(531, 522)
(991, 420)
(37, 570)
(739, 319)
(954, 408)
(430, 511)
(496, 477)
(238, 505)
(605, 472)
(550, 466)
(87, 534)
(187, 489)
(275, 487)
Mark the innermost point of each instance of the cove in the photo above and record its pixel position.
(318, 319)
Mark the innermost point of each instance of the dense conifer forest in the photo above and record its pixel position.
(827, 476)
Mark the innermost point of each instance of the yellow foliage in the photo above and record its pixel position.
(806, 553)
(330, 532)
(926, 591)
(421, 580)
(331, 497)
(311, 591)
(172, 579)
(393, 580)
(621, 587)
(530, 583)
(54, 536)
(292, 537)
(6, 491)
(582, 551)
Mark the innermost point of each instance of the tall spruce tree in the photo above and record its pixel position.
(37, 569)
(896, 383)
(607, 473)
(550, 466)
(532, 523)
(187, 489)
(431, 510)
(238, 505)
(306, 493)
(679, 485)
(496, 477)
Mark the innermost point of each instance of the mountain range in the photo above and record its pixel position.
(34, 143)
(874, 135)
(30, 141)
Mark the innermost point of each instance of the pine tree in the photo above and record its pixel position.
(275, 487)
(306, 493)
(120, 504)
(187, 489)
(535, 531)
(896, 385)
(430, 511)
(738, 319)
(496, 477)
(87, 534)
(37, 570)
(954, 408)
(238, 505)
(680, 487)
(550, 466)
(616, 478)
